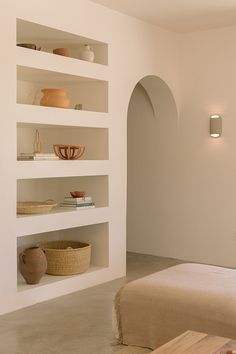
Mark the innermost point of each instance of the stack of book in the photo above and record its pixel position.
(78, 203)
(37, 156)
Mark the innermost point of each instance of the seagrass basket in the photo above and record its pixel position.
(66, 257)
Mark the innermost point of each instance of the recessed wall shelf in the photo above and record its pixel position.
(91, 93)
(50, 38)
(94, 139)
(56, 189)
(87, 86)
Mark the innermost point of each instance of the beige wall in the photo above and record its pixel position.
(198, 222)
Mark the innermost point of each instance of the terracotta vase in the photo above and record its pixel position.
(32, 264)
(54, 98)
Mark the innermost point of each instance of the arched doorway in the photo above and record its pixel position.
(151, 157)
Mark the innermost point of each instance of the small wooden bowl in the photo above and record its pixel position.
(62, 51)
(69, 152)
(77, 194)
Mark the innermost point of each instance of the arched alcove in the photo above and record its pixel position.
(152, 172)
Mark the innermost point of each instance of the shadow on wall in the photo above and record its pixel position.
(152, 164)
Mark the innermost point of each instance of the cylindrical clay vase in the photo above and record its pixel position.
(54, 98)
(32, 264)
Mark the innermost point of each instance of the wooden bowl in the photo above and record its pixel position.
(62, 51)
(29, 46)
(68, 152)
(77, 194)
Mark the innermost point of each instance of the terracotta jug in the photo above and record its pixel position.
(54, 98)
(32, 264)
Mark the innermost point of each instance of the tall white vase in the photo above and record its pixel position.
(87, 53)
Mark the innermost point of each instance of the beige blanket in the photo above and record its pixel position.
(155, 309)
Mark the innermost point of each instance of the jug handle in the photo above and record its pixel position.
(22, 257)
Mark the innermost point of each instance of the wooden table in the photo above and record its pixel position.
(196, 343)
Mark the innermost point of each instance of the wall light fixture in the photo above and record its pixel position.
(215, 125)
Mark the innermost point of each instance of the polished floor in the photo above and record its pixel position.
(79, 323)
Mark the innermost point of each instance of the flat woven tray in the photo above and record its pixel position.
(35, 207)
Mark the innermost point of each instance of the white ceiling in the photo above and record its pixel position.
(178, 15)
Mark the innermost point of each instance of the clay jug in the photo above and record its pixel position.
(32, 264)
(87, 53)
(54, 98)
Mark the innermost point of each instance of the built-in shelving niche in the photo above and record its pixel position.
(91, 93)
(94, 139)
(50, 38)
(97, 235)
(57, 188)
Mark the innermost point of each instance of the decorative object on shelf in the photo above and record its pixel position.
(54, 97)
(66, 257)
(29, 46)
(87, 53)
(62, 51)
(78, 203)
(37, 142)
(78, 194)
(32, 264)
(69, 152)
(37, 156)
(79, 106)
(30, 207)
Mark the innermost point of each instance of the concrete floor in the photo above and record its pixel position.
(79, 323)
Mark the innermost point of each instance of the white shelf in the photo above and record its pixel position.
(57, 116)
(61, 168)
(50, 38)
(48, 280)
(85, 83)
(56, 63)
(50, 288)
(60, 219)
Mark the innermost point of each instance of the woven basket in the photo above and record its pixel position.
(66, 257)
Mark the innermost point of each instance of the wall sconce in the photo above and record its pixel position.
(215, 126)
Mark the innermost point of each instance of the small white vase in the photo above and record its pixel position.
(87, 53)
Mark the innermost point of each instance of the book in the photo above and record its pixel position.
(45, 154)
(77, 205)
(49, 158)
(25, 158)
(37, 156)
(78, 200)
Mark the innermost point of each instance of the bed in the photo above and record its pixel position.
(157, 308)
